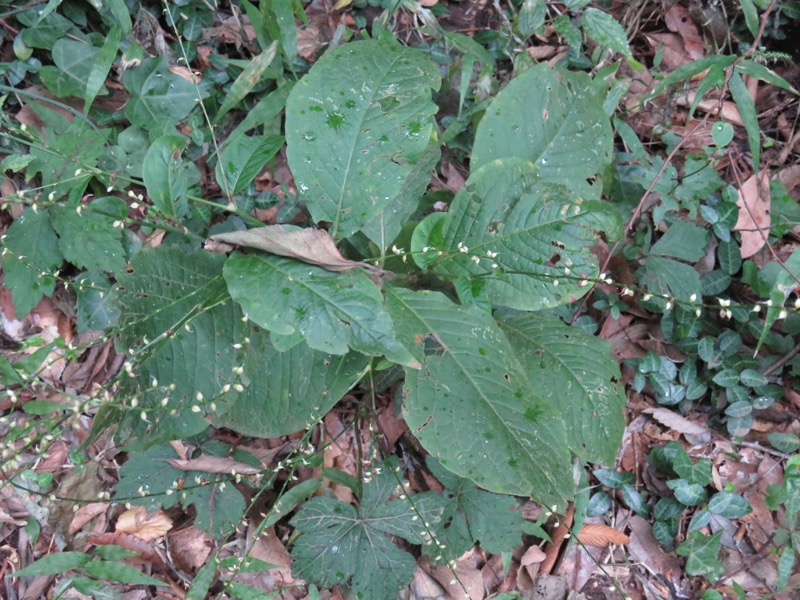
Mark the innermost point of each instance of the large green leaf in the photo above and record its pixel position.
(356, 125)
(245, 384)
(332, 311)
(159, 98)
(341, 545)
(386, 225)
(529, 240)
(243, 158)
(30, 256)
(472, 405)
(575, 373)
(555, 119)
(87, 238)
(168, 177)
(73, 65)
(288, 391)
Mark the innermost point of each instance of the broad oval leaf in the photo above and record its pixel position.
(553, 118)
(168, 177)
(530, 240)
(576, 374)
(472, 405)
(332, 311)
(178, 304)
(356, 125)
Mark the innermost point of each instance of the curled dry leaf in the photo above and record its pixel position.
(127, 541)
(754, 213)
(678, 20)
(313, 246)
(213, 464)
(144, 525)
(678, 423)
(602, 535)
(86, 513)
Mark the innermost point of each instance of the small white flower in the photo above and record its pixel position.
(782, 314)
(724, 302)
(693, 297)
(646, 297)
(199, 396)
(668, 305)
(475, 259)
(196, 409)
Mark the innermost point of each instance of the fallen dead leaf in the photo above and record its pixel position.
(86, 513)
(529, 567)
(190, 548)
(144, 525)
(678, 423)
(313, 246)
(467, 576)
(213, 464)
(754, 213)
(678, 20)
(144, 549)
(602, 535)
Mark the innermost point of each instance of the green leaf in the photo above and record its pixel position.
(747, 110)
(288, 391)
(364, 111)
(605, 30)
(759, 71)
(243, 158)
(117, 571)
(726, 378)
(168, 177)
(284, 19)
(471, 515)
(472, 405)
(729, 504)
(684, 240)
(332, 311)
(95, 303)
(113, 552)
(341, 545)
(671, 278)
(730, 257)
(159, 98)
(553, 118)
(43, 33)
(752, 378)
(785, 567)
(119, 11)
(178, 302)
(750, 16)
(701, 553)
(386, 225)
(73, 65)
(247, 80)
(784, 442)
(54, 564)
(30, 255)
(203, 581)
(530, 240)
(613, 479)
(576, 374)
(784, 284)
(88, 239)
(101, 67)
(690, 494)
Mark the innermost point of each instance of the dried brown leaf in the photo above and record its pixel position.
(602, 535)
(86, 513)
(127, 541)
(677, 423)
(678, 20)
(213, 464)
(144, 525)
(754, 213)
(313, 246)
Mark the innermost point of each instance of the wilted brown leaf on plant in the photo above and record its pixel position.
(313, 246)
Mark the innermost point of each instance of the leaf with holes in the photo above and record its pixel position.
(575, 373)
(364, 111)
(529, 239)
(472, 401)
(340, 544)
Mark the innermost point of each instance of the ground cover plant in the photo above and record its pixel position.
(306, 301)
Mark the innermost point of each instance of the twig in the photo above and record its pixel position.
(783, 360)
